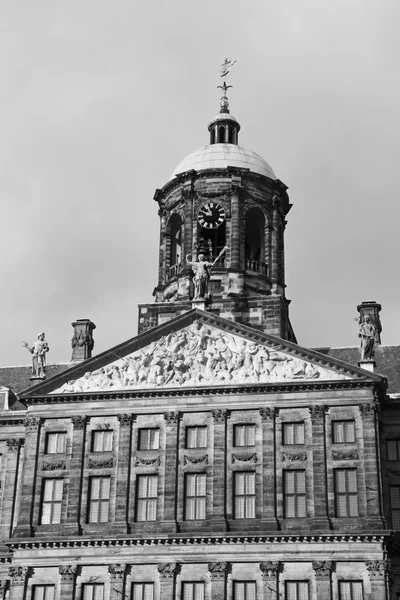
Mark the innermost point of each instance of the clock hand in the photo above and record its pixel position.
(208, 213)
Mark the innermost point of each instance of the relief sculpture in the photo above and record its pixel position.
(198, 355)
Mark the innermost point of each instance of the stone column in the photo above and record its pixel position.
(322, 569)
(19, 577)
(218, 572)
(320, 520)
(188, 241)
(274, 271)
(218, 516)
(269, 520)
(117, 581)
(270, 574)
(68, 574)
(10, 485)
(4, 585)
(73, 524)
(169, 522)
(28, 486)
(235, 232)
(123, 473)
(378, 573)
(167, 573)
(371, 466)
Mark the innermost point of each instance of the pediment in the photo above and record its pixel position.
(198, 350)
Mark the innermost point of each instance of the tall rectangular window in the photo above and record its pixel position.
(296, 590)
(43, 592)
(99, 499)
(244, 590)
(149, 439)
(351, 590)
(56, 442)
(293, 433)
(52, 492)
(294, 493)
(395, 505)
(142, 591)
(393, 449)
(346, 492)
(196, 437)
(193, 590)
(195, 496)
(244, 435)
(343, 432)
(93, 591)
(102, 440)
(146, 502)
(244, 495)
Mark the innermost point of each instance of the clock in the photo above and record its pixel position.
(211, 215)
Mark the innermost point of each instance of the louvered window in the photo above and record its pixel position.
(146, 504)
(56, 442)
(244, 495)
(99, 502)
(51, 501)
(346, 493)
(294, 492)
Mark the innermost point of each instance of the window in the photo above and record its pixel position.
(395, 505)
(142, 591)
(244, 590)
(346, 492)
(146, 505)
(99, 500)
(393, 449)
(193, 590)
(196, 437)
(149, 439)
(244, 435)
(51, 501)
(245, 495)
(296, 590)
(293, 433)
(343, 432)
(56, 443)
(195, 496)
(43, 592)
(93, 591)
(102, 440)
(351, 590)
(294, 492)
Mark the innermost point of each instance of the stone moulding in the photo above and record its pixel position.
(195, 460)
(345, 455)
(286, 457)
(101, 464)
(56, 466)
(245, 457)
(144, 462)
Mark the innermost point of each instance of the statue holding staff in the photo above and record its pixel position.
(38, 351)
(202, 269)
(367, 335)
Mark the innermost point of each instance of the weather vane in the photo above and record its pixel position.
(225, 69)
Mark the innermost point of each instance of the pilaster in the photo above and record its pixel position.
(378, 573)
(73, 523)
(169, 522)
(218, 572)
(123, 473)
(117, 581)
(12, 467)
(18, 577)
(270, 574)
(167, 572)
(219, 470)
(235, 232)
(371, 465)
(28, 487)
(269, 520)
(68, 574)
(320, 520)
(4, 586)
(322, 570)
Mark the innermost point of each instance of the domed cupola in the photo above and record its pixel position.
(224, 128)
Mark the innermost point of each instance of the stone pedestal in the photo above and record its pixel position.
(73, 523)
(200, 304)
(68, 574)
(169, 522)
(218, 511)
(269, 520)
(167, 580)
(270, 574)
(368, 365)
(124, 459)
(82, 341)
(117, 581)
(322, 571)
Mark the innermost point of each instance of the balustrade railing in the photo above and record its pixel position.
(174, 270)
(256, 266)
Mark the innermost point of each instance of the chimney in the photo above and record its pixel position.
(372, 309)
(82, 341)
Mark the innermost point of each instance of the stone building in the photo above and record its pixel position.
(211, 456)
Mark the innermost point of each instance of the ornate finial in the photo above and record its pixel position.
(225, 68)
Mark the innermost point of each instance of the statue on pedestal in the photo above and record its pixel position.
(202, 269)
(38, 351)
(367, 333)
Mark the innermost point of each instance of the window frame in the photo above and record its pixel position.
(97, 432)
(351, 582)
(193, 583)
(284, 434)
(246, 427)
(394, 510)
(88, 585)
(44, 587)
(297, 582)
(200, 500)
(244, 582)
(57, 433)
(146, 500)
(335, 423)
(51, 502)
(143, 584)
(296, 494)
(100, 501)
(244, 495)
(197, 429)
(397, 450)
(141, 431)
(347, 494)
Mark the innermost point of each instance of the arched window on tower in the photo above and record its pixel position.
(255, 241)
(221, 134)
(174, 246)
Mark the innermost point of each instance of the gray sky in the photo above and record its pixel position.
(99, 102)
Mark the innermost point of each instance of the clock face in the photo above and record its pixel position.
(211, 215)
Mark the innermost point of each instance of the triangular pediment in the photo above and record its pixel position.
(198, 350)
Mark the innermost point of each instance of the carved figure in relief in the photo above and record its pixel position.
(38, 351)
(202, 270)
(367, 333)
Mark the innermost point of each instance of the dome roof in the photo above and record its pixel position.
(221, 156)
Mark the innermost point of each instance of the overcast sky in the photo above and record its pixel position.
(101, 99)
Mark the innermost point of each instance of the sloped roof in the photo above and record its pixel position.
(17, 378)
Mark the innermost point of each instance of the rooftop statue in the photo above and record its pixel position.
(367, 333)
(38, 351)
(202, 270)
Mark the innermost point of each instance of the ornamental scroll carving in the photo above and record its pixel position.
(117, 572)
(195, 460)
(269, 569)
(18, 574)
(101, 464)
(68, 573)
(322, 568)
(245, 457)
(147, 462)
(345, 455)
(218, 570)
(377, 569)
(166, 570)
(56, 466)
(199, 355)
(31, 423)
(293, 457)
